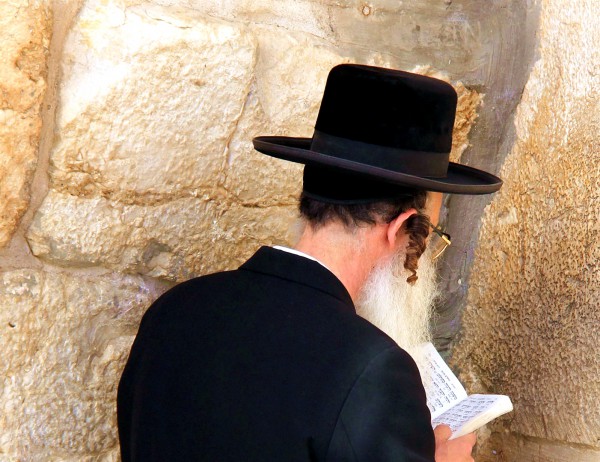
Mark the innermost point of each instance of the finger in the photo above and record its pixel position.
(442, 433)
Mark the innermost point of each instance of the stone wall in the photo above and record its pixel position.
(25, 40)
(532, 331)
(126, 165)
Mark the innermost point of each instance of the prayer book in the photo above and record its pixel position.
(448, 400)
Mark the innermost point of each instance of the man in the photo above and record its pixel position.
(271, 362)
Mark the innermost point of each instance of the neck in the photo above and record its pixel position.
(350, 254)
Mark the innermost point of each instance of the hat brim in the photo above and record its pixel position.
(460, 179)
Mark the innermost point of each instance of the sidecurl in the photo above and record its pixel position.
(417, 228)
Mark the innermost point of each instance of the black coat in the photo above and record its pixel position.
(268, 363)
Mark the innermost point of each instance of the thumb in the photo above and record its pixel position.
(442, 433)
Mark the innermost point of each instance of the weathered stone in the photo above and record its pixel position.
(64, 339)
(499, 42)
(532, 332)
(176, 240)
(447, 36)
(26, 31)
(251, 174)
(510, 447)
(292, 71)
(290, 77)
(144, 89)
(310, 16)
(389, 33)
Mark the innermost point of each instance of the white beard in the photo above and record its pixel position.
(400, 310)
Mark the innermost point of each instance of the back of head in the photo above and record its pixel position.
(319, 210)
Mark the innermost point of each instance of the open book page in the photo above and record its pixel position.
(447, 399)
(473, 412)
(442, 388)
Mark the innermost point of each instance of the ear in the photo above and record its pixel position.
(393, 230)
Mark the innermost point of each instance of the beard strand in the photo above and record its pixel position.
(400, 310)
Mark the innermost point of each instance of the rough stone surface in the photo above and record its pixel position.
(143, 92)
(504, 447)
(158, 160)
(288, 16)
(64, 340)
(283, 100)
(25, 32)
(506, 34)
(176, 240)
(531, 331)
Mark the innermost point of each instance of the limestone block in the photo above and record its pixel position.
(65, 339)
(515, 448)
(407, 32)
(532, 332)
(150, 100)
(290, 78)
(292, 71)
(310, 16)
(25, 31)
(176, 240)
(255, 179)
(413, 31)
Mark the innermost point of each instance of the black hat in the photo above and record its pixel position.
(380, 131)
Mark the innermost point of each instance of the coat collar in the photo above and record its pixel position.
(285, 265)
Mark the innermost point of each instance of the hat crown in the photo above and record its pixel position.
(389, 108)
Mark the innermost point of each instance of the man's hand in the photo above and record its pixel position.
(457, 450)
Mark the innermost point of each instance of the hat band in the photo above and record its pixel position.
(418, 163)
(335, 186)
